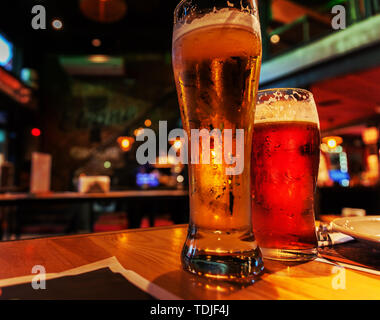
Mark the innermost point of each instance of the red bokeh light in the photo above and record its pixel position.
(35, 132)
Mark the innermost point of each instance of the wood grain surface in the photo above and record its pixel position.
(155, 254)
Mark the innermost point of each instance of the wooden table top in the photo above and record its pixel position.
(154, 253)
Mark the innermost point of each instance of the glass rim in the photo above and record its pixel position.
(181, 2)
(178, 5)
(286, 89)
(278, 110)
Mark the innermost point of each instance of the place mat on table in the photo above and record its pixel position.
(105, 279)
(355, 253)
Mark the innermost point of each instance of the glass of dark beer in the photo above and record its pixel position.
(285, 161)
(216, 61)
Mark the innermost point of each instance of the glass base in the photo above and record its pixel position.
(290, 254)
(222, 255)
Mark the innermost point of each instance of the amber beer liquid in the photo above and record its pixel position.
(216, 61)
(285, 162)
(216, 69)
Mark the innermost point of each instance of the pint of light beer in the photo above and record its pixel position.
(285, 160)
(216, 61)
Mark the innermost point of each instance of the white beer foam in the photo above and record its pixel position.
(287, 110)
(224, 16)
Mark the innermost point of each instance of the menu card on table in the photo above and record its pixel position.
(105, 279)
(40, 172)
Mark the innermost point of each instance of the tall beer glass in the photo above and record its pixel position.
(285, 160)
(216, 61)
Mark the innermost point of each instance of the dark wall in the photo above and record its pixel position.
(333, 200)
(80, 115)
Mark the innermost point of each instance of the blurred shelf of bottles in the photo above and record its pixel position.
(350, 162)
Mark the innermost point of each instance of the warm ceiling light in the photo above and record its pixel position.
(99, 58)
(148, 123)
(275, 39)
(177, 144)
(96, 42)
(57, 24)
(370, 135)
(138, 132)
(125, 143)
(104, 11)
(332, 142)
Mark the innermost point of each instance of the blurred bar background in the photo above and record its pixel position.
(74, 97)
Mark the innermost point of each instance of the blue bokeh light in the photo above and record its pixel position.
(6, 53)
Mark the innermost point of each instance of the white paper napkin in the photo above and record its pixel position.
(327, 237)
(334, 238)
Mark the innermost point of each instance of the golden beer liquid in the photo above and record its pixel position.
(216, 69)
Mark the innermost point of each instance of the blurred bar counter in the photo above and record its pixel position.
(75, 209)
(14, 198)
